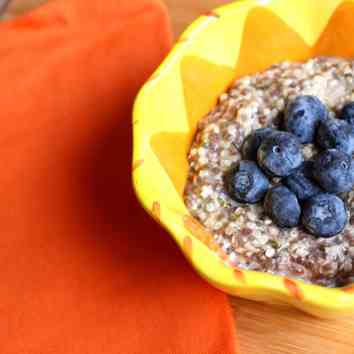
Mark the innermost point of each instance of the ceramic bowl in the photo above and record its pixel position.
(244, 37)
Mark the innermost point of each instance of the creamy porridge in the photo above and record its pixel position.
(246, 233)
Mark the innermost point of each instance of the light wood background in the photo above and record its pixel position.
(261, 329)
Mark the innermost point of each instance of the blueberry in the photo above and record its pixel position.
(336, 134)
(280, 154)
(324, 215)
(347, 113)
(334, 171)
(282, 206)
(301, 183)
(253, 141)
(302, 117)
(247, 183)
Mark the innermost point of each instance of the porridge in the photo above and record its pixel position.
(252, 232)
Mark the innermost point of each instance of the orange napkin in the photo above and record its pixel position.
(83, 269)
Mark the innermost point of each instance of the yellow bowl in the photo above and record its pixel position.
(241, 38)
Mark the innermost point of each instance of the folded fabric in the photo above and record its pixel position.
(83, 268)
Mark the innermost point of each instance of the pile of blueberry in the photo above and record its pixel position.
(309, 192)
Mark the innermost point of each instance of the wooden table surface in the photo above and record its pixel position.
(261, 329)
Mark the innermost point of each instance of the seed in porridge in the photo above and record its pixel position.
(309, 150)
(203, 160)
(246, 231)
(270, 252)
(253, 141)
(336, 134)
(232, 130)
(294, 233)
(210, 207)
(302, 117)
(251, 216)
(203, 173)
(301, 183)
(334, 171)
(229, 230)
(202, 151)
(226, 246)
(348, 265)
(239, 211)
(216, 225)
(233, 258)
(223, 97)
(273, 244)
(262, 239)
(247, 183)
(351, 251)
(280, 154)
(347, 113)
(193, 152)
(324, 215)
(267, 221)
(207, 191)
(282, 206)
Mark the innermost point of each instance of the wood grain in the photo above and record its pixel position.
(264, 329)
(261, 329)
(18, 7)
(183, 12)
